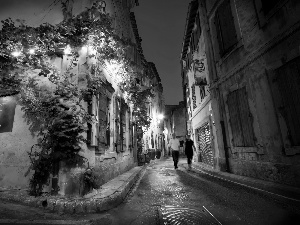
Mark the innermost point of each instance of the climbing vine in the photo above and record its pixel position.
(52, 98)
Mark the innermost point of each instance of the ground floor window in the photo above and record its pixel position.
(240, 119)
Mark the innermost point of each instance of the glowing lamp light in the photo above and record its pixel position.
(84, 49)
(31, 51)
(16, 53)
(92, 51)
(160, 116)
(67, 50)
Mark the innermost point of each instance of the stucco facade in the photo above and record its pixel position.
(106, 153)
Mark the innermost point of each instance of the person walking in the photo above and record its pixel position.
(189, 151)
(174, 146)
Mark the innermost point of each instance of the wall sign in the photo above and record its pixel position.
(200, 70)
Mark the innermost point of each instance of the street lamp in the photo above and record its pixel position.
(160, 116)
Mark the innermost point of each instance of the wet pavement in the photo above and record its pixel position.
(169, 196)
(163, 195)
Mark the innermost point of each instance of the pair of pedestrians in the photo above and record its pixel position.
(189, 146)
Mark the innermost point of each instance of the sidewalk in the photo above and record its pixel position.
(275, 189)
(110, 195)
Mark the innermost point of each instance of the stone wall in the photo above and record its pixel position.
(260, 50)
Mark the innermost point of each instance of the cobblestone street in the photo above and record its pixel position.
(164, 195)
(179, 197)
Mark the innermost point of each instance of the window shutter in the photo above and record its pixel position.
(226, 27)
(123, 124)
(95, 125)
(289, 88)
(102, 113)
(198, 26)
(7, 113)
(117, 124)
(89, 131)
(246, 118)
(219, 35)
(236, 127)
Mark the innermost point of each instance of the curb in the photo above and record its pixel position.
(95, 203)
(283, 191)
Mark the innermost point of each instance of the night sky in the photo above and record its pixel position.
(161, 27)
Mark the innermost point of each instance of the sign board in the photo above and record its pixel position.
(200, 70)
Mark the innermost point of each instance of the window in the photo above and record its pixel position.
(194, 97)
(265, 9)
(103, 121)
(99, 132)
(121, 109)
(196, 34)
(7, 113)
(288, 101)
(92, 127)
(240, 119)
(123, 112)
(268, 5)
(226, 32)
(202, 92)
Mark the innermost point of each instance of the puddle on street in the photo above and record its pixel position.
(175, 215)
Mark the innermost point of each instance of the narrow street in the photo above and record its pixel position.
(164, 195)
(181, 197)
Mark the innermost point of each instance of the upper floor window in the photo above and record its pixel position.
(268, 5)
(226, 32)
(195, 34)
(265, 9)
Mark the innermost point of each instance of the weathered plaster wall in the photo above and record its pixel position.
(260, 51)
(14, 160)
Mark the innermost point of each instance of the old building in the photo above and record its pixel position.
(154, 140)
(252, 53)
(111, 148)
(195, 80)
(175, 122)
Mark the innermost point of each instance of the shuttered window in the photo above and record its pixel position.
(103, 123)
(98, 132)
(7, 113)
(123, 112)
(268, 5)
(196, 33)
(240, 119)
(117, 124)
(225, 27)
(288, 81)
(92, 134)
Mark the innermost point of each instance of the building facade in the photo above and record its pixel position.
(252, 51)
(175, 122)
(195, 80)
(111, 139)
(153, 139)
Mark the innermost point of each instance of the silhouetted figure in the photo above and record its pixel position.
(174, 146)
(189, 151)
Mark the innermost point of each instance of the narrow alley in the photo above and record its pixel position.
(164, 195)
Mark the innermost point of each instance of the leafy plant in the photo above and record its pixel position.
(54, 111)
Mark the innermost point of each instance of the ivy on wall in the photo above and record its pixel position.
(55, 111)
